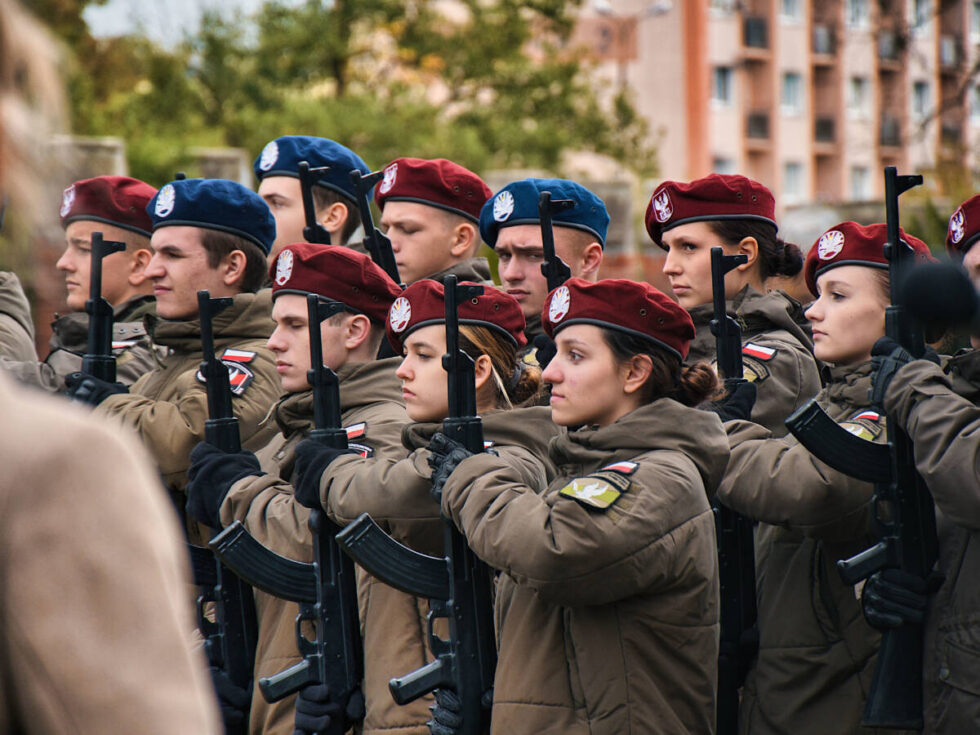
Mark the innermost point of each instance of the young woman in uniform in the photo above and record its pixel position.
(607, 605)
(815, 673)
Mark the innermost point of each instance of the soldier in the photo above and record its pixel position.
(817, 653)
(430, 211)
(607, 602)
(116, 207)
(510, 224)
(224, 488)
(207, 234)
(334, 198)
(937, 408)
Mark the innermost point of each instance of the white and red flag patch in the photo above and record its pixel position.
(758, 351)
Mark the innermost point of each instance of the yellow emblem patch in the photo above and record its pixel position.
(591, 491)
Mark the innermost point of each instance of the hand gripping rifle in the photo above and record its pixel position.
(904, 516)
(736, 547)
(313, 231)
(99, 362)
(377, 243)
(230, 639)
(459, 585)
(554, 269)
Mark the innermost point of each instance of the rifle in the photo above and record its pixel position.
(377, 243)
(458, 585)
(904, 515)
(736, 542)
(335, 656)
(554, 269)
(99, 362)
(229, 640)
(313, 231)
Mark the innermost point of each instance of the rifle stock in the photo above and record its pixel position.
(98, 361)
(377, 243)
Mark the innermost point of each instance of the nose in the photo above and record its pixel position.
(274, 342)
(511, 271)
(65, 263)
(814, 312)
(404, 369)
(154, 269)
(671, 266)
(552, 374)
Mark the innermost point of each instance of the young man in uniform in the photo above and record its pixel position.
(334, 198)
(430, 211)
(207, 234)
(225, 488)
(116, 207)
(510, 224)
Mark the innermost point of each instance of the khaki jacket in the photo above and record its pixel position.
(476, 270)
(777, 352)
(16, 326)
(94, 619)
(945, 429)
(168, 406)
(373, 412)
(816, 652)
(607, 617)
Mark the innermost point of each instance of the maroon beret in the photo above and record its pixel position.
(438, 183)
(715, 197)
(852, 244)
(964, 227)
(423, 303)
(337, 273)
(115, 200)
(628, 306)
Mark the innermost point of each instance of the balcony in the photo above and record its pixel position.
(949, 53)
(889, 49)
(824, 43)
(951, 134)
(755, 37)
(824, 129)
(757, 126)
(890, 132)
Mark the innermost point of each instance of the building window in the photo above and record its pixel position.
(792, 96)
(975, 103)
(792, 182)
(859, 98)
(975, 20)
(722, 79)
(723, 165)
(857, 13)
(920, 99)
(860, 183)
(722, 6)
(920, 14)
(791, 10)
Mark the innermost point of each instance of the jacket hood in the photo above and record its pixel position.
(531, 428)
(848, 386)
(249, 317)
(476, 270)
(663, 424)
(14, 303)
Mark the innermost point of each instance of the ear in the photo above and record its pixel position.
(482, 369)
(464, 236)
(591, 260)
(749, 247)
(232, 268)
(333, 219)
(637, 370)
(137, 267)
(358, 329)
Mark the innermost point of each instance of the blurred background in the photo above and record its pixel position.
(811, 97)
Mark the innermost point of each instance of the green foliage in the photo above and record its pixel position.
(489, 83)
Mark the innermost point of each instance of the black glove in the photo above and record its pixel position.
(545, 349)
(312, 458)
(887, 358)
(737, 404)
(86, 389)
(211, 475)
(446, 454)
(446, 715)
(892, 598)
(233, 700)
(315, 710)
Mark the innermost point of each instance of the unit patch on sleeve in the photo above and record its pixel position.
(240, 376)
(603, 488)
(866, 424)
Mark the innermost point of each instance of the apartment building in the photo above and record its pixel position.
(811, 97)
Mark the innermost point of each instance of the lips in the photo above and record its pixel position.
(407, 394)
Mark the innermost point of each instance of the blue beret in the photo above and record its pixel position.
(282, 156)
(517, 204)
(214, 204)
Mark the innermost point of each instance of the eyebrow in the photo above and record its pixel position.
(80, 241)
(525, 247)
(421, 343)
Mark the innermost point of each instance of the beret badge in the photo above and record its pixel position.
(165, 201)
(503, 206)
(284, 267)
(560, 303)
(400, 315)
(830, 244)
(270, 154)
(67, 200)
(662, 208)
(391, 173)
(957, 226)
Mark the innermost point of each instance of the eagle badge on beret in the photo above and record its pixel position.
(270, 154)
(503, 206)
(165, 201)
(284, 267)
(67, 200)
(957, 226)
(400, 315)
(829, 244)
(662, 208)
(560, 302)
(388, 181)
